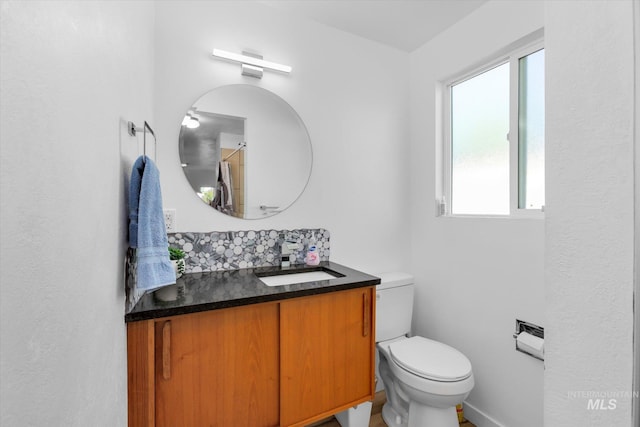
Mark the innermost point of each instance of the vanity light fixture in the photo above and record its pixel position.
(252, 64)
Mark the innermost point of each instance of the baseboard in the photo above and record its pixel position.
(479, 418)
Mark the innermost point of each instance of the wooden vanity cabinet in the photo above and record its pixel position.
(213, 368)
(285, 363)
(327, 354)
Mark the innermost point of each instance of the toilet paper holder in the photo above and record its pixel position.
(531, 329)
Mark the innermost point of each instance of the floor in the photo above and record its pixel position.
(376, 415)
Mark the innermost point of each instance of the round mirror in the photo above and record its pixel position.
(245, 151)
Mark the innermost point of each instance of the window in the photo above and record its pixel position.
(494, 139)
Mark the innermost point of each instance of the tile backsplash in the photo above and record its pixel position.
(232, 250)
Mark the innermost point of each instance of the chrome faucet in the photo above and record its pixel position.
(286, 249)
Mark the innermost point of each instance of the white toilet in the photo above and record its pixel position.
(424, 379)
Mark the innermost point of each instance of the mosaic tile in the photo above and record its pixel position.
(233, 250)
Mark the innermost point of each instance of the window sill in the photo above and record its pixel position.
(527, 215)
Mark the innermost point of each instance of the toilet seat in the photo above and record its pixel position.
(430, 359)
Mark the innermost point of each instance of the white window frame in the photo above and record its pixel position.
(444, 202)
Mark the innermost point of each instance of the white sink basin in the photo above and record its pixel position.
(290, 279)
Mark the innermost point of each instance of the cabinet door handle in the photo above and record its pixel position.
(366, 326)
(166, 350)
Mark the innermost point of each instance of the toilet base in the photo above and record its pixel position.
(421, 416)
(391, 416)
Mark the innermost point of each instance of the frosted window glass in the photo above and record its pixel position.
(479, 144)
(531, 132)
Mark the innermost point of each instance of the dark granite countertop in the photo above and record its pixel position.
(223, 289)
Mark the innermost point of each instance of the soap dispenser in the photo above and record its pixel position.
(313, 257)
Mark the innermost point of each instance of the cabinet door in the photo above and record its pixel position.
(218, 368)
(327, 354)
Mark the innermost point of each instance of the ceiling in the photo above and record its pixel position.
(403, 24)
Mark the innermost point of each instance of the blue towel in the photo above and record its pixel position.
(147, 231)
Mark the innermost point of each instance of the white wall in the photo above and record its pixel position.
(72, 74)
(350, 93)
(590, 230)
(475, 277)
(636, 310)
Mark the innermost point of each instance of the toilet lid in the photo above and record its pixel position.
(430, 359)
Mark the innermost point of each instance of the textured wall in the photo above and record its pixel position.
(589, 232)
(636, 339)
(72, 74)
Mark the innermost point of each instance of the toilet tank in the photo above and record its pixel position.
(394, 305)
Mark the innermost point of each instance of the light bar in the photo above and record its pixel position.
(250, 60)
